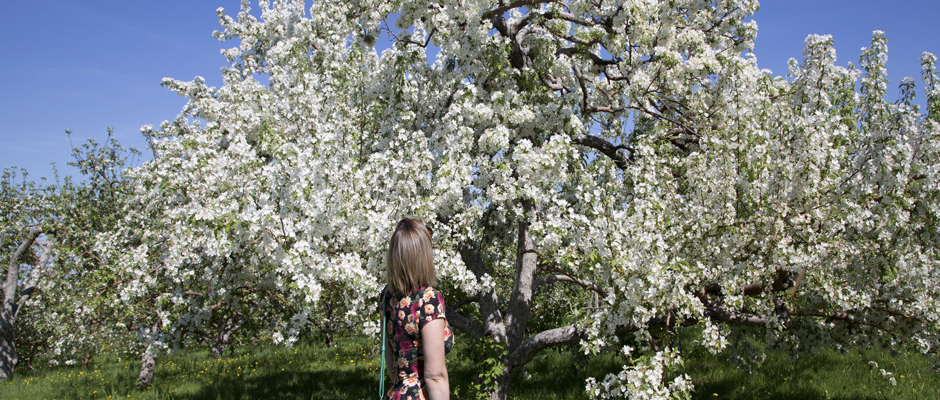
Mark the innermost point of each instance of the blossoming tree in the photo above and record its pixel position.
(631, 149)
(56, 290)
(23, 214)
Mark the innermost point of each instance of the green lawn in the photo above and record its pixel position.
(823, 375)
(348, 371)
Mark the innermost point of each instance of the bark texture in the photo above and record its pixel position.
(148, 361)
(147, 364)
(222, 339)
(8, 357)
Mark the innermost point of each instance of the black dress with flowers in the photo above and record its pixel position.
(404, 318)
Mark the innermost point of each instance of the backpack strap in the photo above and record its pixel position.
(383, 344)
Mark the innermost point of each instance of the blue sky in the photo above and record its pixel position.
(88, 65)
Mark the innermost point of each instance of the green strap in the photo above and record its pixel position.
(382, 343)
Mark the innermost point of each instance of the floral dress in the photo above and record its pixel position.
(404, 318)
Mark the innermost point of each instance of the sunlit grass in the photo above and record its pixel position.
(345, 371)
(350, 371)
(826, 374)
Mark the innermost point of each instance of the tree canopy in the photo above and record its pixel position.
(633, 150)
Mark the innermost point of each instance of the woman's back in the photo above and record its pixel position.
(405, 316)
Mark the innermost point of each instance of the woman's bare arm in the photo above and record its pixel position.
(435, 372)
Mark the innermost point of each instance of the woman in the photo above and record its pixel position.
(418, 336)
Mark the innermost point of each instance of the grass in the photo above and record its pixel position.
(826, 374)
(345, 371)
(349, 371)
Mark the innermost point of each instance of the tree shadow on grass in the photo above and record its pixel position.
(732, 389)
(560, 373)
(778, 378)
(354, 384)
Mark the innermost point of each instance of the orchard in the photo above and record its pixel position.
(632, 151)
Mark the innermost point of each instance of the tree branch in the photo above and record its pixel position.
(780, 283)
(463, 323)
(607, 148)
(565, 278)
(468, 300)
(597, 60)
(813, 312)
(520, 299)
(719, 313)
(8, 310)
(542, 340)
(33, 283)
(489, 302)
(552, 82)
(498, 11)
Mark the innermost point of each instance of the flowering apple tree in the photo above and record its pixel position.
(56, 289)
(24, 216)
(632, 150)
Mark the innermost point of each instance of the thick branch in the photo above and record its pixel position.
(552, 82)
(13, 272)
(796, 284)
(575, 19)
(734, 317)
(597, 60)
(520, 300)
(607, 148)
(489, 302)
(468, 300)
(542, 340)
(499, 22)
(682, 138)
(474, 262)
(33, 283)
(467, 325)
(498, 11)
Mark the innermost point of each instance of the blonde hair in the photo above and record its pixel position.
(410, 263)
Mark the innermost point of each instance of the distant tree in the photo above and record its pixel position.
(24, 211)
(56, 283)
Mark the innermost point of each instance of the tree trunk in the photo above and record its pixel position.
(519, 308)
(520, 300)
(148, 361)
(147, 365)
(224, 336)
(8, 357)
(217, 350)
(501, 391)
(507, 323)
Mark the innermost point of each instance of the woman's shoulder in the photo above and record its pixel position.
(389, 295)
(427, 293)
